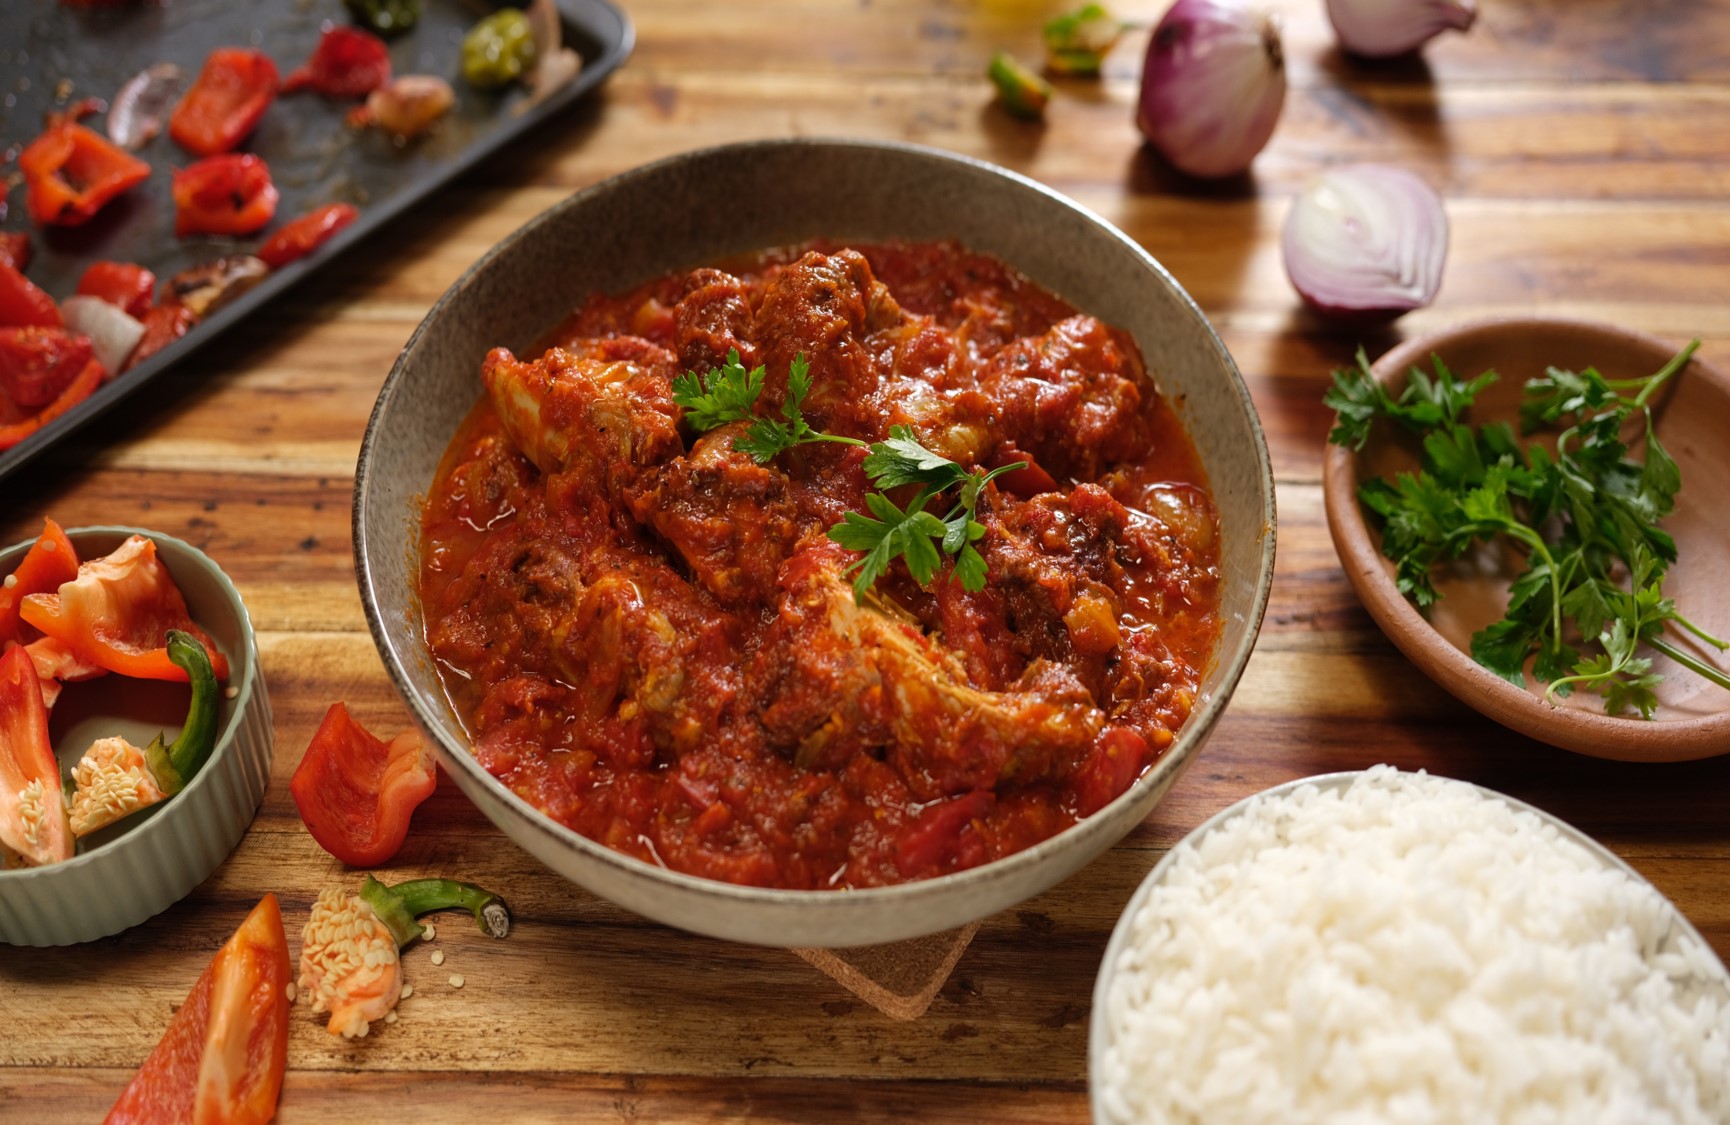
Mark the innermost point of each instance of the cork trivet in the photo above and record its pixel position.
(900, 979)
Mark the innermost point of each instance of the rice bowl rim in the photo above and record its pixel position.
(1097, 1030)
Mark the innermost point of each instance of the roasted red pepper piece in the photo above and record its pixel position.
(224, 1053)
(232, 92)
(37, 364)
(163, 325)
(82, 386)
(125, 285)
(228, 194)
(14, 246)
(302, 236)
(356, 793)
(71, 173)
(50, 561)
(347, 63)
(34, 829)
(22, 304)
(117, 613)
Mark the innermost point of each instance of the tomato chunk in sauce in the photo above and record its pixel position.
(651, 638)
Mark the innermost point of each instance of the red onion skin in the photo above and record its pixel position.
(1210, 132)
(1370, 304)
(1384, 29)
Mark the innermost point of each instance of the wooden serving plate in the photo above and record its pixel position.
(1692, 416)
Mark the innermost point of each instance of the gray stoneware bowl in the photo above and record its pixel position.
(697, 208)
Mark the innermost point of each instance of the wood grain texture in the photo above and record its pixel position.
(1583, 149)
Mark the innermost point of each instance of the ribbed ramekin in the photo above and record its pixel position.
(155, 857)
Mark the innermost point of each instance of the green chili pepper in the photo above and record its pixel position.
(174, 765)
(398, 906)
(1022, 92)
(498, 50)
(1077, 42)
(386, 17)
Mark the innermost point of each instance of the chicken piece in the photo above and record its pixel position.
(640, 635)
(1071, 397)
(606, 421)
(712, 318)
(823, 307)
(729, 518)
(843, 677)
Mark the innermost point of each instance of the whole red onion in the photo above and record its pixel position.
(1366, 241)
(1213, 86)
(1380, 29)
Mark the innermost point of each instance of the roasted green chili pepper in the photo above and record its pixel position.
(1021, 92)
(386, 17)
(498, 50)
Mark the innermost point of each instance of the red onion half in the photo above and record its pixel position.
(1366, 241)
(1212, 87)
(1380, 29)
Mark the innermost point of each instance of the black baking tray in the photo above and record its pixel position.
(53, 54)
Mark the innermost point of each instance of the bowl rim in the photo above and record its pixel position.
(1230, 664)
(1591, 733)
(1097, 1031)
(225, 739)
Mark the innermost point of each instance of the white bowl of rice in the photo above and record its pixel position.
(1385, 947)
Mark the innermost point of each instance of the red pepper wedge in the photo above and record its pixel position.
(163, 325)
(71, 173)
(223, 1056)
(228, 194)
(117, 613)
(82, 386)
(34, 829)
(347, 63)
(14, 245)
(356, 792)
(36, 364)
(302, 236)
(22, 304)
(50, 561)
(224, 104)
(127, 286)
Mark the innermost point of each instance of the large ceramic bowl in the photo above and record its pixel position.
(703, 206)
(140, 866)
(1692, 719)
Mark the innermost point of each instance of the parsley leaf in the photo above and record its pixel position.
(726, 394)
(1585, 518)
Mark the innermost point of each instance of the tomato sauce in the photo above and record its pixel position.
(650, 637)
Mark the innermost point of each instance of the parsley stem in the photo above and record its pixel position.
(818, 435)
(1699, 632)
(1698, 667)
(1677, 363)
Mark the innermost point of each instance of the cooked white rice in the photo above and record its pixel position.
(1409, 950)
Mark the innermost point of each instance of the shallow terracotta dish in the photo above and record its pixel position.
(705, 206)
(140, 866)
(1691, 413)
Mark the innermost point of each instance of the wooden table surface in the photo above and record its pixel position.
(1583, 148)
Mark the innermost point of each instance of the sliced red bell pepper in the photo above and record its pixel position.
(222, 1058)
(37, 364)
(231, 93)
(117, 614)
(347, 63)
(14, 246)
(72, 173)
(163, 325)
(302, 236)
(50, 561)
(34, 829)
(127, 286)
(228, 194)
(22, 304)
(82, 386)
(356, 793)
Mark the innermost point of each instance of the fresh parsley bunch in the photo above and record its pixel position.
(729, 393)
(1585, 518)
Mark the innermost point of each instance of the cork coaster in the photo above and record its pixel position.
(900, 979)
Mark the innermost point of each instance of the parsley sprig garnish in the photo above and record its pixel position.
(1585, 518)
(915, 534)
